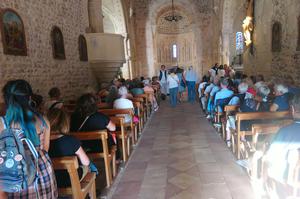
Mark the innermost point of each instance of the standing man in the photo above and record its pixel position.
(163, 81)
(191, 78)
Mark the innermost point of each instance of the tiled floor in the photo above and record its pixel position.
(180, 156)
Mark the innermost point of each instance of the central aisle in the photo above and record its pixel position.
(180, 156)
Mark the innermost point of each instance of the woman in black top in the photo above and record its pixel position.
(62, 144)
(87, 118)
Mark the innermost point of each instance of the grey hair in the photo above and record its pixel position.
(243, 87)
(123, 91)
(280, 88)
(263, 91)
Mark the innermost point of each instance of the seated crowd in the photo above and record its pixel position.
(223, 96)
(52, 129)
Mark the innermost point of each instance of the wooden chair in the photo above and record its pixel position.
(118, 112)
(123, 136)
(103, 105)
(264, 116)
(78, 189)
(108, 156)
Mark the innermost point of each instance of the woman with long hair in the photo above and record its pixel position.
(20, 114)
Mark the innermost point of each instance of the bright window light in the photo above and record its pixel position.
(174, 51)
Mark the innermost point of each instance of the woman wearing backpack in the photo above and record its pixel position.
(21, 115)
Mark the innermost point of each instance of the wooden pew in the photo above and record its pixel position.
(108, 156)
(265, 116)
(123, 135)
(294, 171)
(142, 110)
(78, 189)
(228, 110)
(146, 104)
(118, 112)
(138, 107)
(268, 129)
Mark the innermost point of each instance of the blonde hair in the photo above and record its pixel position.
(59, 121)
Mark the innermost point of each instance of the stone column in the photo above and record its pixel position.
(95, 16)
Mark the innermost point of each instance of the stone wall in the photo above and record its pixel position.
(39, 67)
(274, 65)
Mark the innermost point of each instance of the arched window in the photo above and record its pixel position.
(174, 51)
(298, 44)
(83, 56)
(58, 43)
(276, 37)
(13, 33)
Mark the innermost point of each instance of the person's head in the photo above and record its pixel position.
(249, 81)
(253, 78)
(260, 78)
(123, 92)
(190, 67)
(86, 105)
(216, 65)
(37, 102)
(17, 96)
(162, 67)
(243, 87)
(221, 67)
(205, 78)
(54, 93)
(280, 89)
(224, 82)
(116, 82)
(216, 81)
(238, 75)
(59, 121)
(295, 104)
(263, 91)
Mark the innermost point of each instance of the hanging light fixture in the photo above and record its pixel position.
(173, 17)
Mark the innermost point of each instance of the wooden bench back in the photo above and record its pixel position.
(231, 108)
(263, 115)
(78, 189)
(112, 112)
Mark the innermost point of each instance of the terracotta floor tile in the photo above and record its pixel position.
(181, 156)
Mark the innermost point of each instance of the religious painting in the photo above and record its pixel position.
(83, 56)
(276, 37)
(58, 47)
(13, 34)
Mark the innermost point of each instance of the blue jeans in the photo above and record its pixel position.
(173, 96)
(191, 91)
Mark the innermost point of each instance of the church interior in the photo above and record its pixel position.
(110, 50)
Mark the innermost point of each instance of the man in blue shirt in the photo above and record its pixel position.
(223, 94)
(191, 78)
(286, 140)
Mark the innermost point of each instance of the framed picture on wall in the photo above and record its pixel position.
(83, 56)
(58, 46)
(13, 33)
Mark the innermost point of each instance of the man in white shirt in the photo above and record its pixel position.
(191, 78)
(173, 83)
(163, 76)
(123, 103)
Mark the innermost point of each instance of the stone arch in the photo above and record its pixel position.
(276, 36)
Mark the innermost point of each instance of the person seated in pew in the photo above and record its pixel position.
(137, 88)
(223, 96)
(113, 92)
(210, 102)
(62, 144)
(55, 99)
(87, 118)
(123, 103)
(263, 92)
(235, 100)
(148, 88)
(287, 139)
(281, 101)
